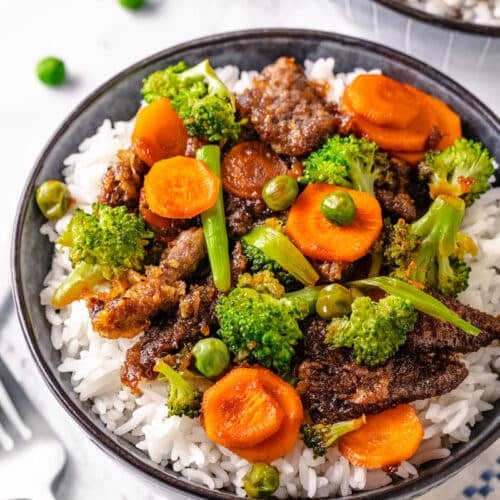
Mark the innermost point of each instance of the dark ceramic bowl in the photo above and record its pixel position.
(118, 99)
(454, 24)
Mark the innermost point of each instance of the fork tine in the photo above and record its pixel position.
(12, 414)
(5, 440)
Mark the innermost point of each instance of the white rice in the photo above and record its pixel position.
(94, 362)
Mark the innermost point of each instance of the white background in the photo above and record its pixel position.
(98, 38)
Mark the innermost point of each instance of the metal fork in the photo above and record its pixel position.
(31, 455)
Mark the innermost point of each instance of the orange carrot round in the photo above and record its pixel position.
(241, 407)
(180, 187)
(411, 138)
(382, 101)
(386, 439)
(411, 157)
(158, 133)
(447, 121)
(319, 238)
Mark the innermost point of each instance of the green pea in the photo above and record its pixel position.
(262, 480)
(211, 356)
(280, 192)
(333, 301)
(52, 198)
(338, 207)
(51, 70)
(132, 4)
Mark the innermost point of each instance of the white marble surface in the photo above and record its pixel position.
(97, 38)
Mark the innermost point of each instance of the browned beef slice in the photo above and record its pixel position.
(332, 271)
(333, 387)
(242, 214)
(193, 320)
(397, 205)
(182, 256)
(431, 334)
(158, 290)
(287, 111)
(121, 184)
(169, 334)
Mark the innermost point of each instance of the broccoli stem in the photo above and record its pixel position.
(214, 225)
(307, 295)
(278, 247)
(420, 300)
(83, 278)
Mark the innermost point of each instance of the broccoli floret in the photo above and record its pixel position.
(103, 245)
(259, 261)
(462, 169)
(201, 99)
(431, 250)
(258, 326)
(319, 437)
(183, 399)
(374, 330)
(346, 161)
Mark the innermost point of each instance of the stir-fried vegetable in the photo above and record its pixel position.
(280, 192)
(318, 238)
(420, 300)
(183, 398)
(158, 132)
(463, 170)
(320, 437)
(214, 224)
(211, 356)
(103, 245)
(181, 187)
(261, 481)
(333, 300)
(200, 98)
(431, 250)
(338, 207)
(253, 412)
(374, 330)
(258, 326)
(386, 439)
(276, 246)
(346, 161)
(52, 198)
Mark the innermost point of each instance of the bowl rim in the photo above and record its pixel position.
(454, 24)
(401, 490)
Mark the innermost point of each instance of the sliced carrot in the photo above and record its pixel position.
(180, 187)
(411, 138)
(284, 439)
(221, 410)
(382, 101)
(158, 133)
(448, 122)
(248, 166)
(318, 238)
(412, 157)
(386, 439)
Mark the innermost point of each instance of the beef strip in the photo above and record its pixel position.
(286, 110)
(331, 272)
(242, 215)
(393, 192)
(121, 184)
(194, 319)
(432, 334)
(334, 388)
(159, 290)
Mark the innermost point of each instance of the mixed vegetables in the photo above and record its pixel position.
(326, 212)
